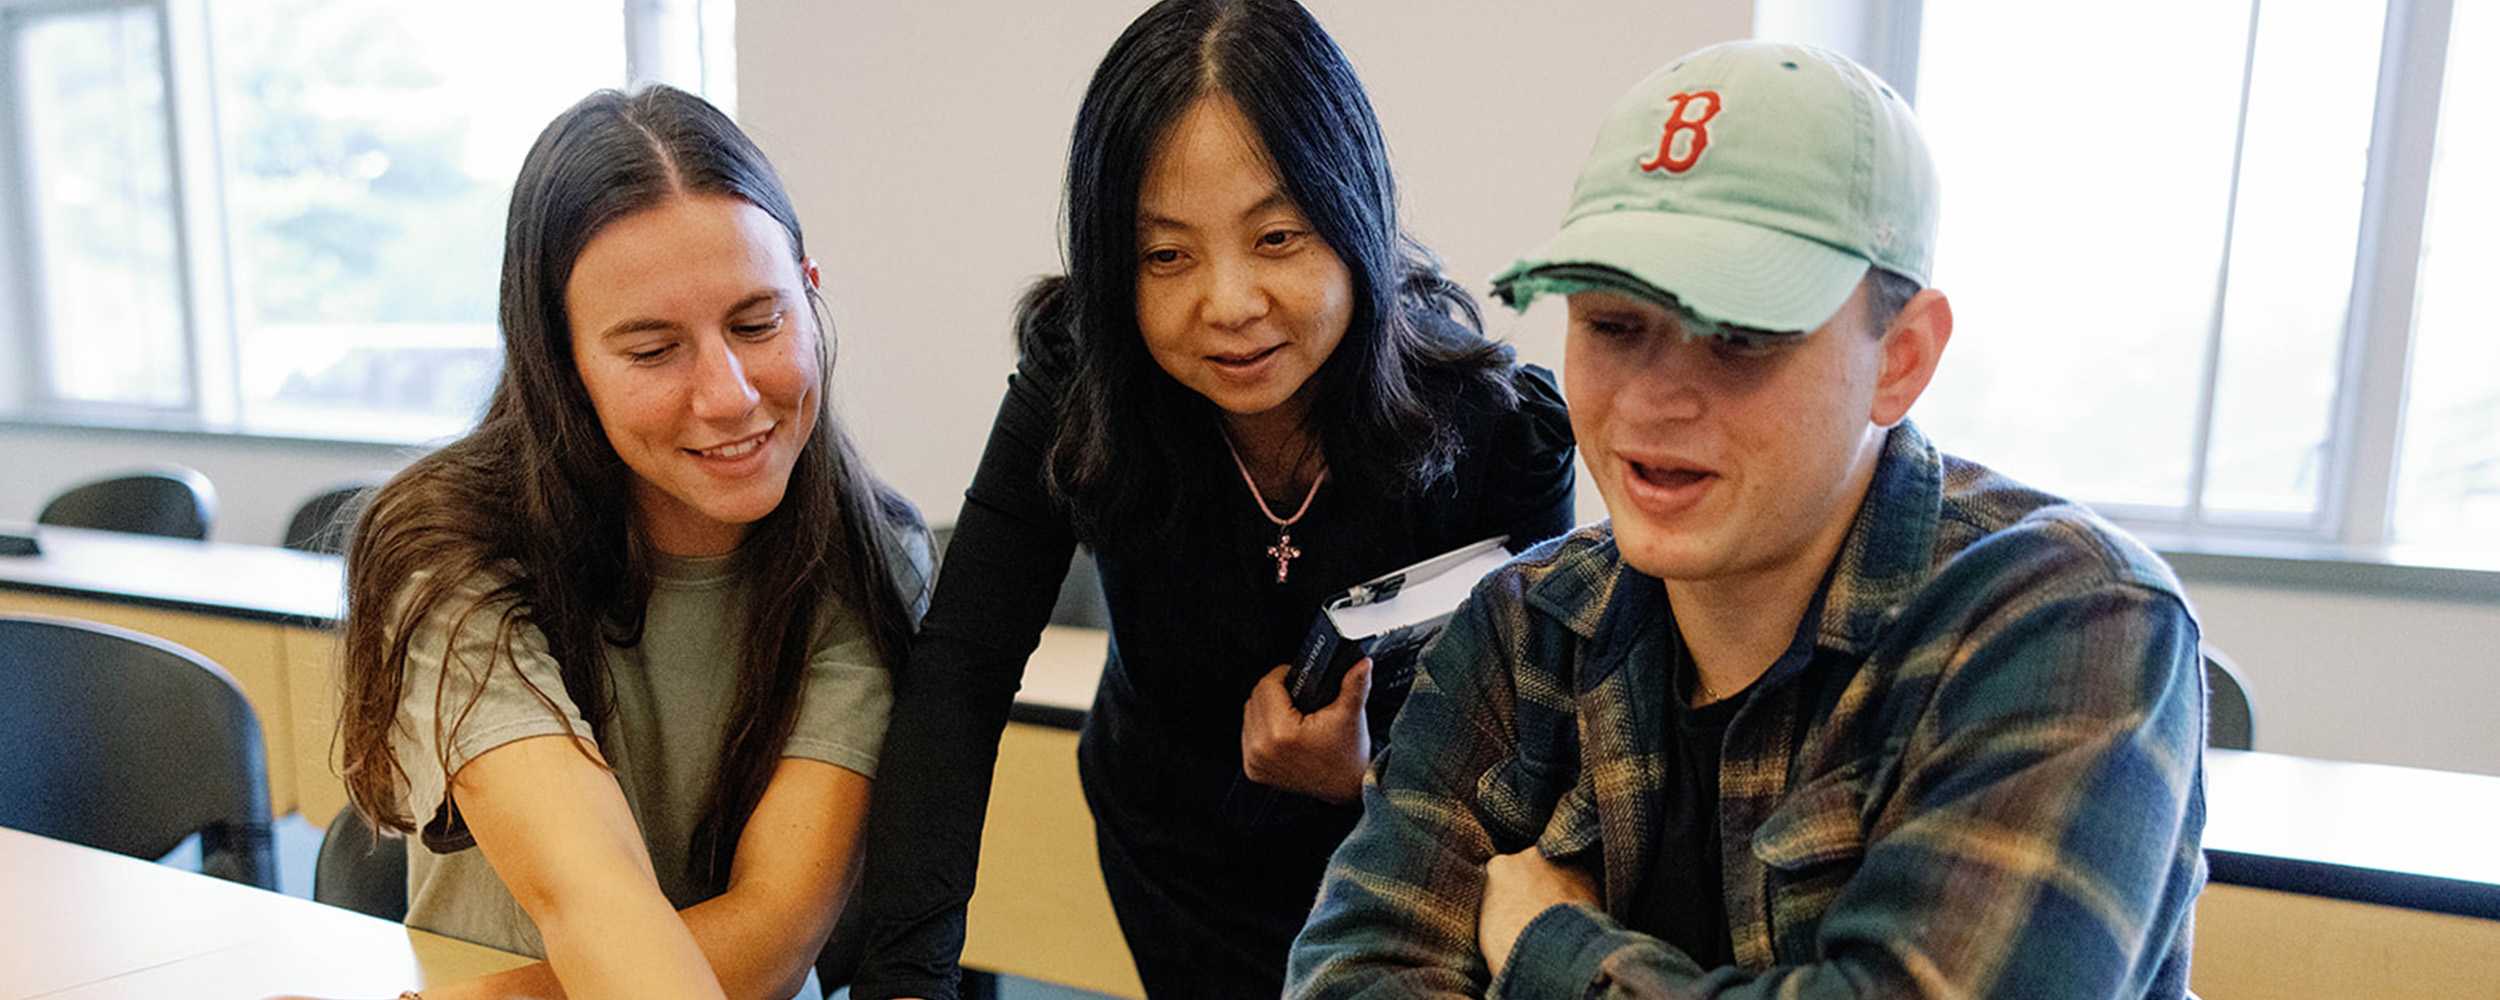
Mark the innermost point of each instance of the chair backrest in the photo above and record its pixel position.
(167, 500)
(2230, 718)
(1080, 594)
(121, 741)
(326, 522)
(1080, 599)
(360, 870)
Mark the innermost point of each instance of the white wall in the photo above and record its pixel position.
(2370, 677)
(924, 144)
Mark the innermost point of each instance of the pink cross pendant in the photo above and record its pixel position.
(1284, 552)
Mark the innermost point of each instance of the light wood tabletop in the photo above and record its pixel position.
(82, 924)
(2372, 833)
(252, 582)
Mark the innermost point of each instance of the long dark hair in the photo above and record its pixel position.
(527, 517)
(1414, 336)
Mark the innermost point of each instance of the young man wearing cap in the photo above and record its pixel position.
(1819, 711)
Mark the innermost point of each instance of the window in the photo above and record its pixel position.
(2448, 474)
(100, 217)
(286, 216)
(2214, 264)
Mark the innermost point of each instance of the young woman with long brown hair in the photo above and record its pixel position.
(618, 660)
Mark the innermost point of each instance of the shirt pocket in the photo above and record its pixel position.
(1820, 827)
(1519, 799)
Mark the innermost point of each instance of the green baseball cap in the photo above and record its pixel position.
(1752, 181)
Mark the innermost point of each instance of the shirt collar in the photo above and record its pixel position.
(1887, 554)
(1890, 550)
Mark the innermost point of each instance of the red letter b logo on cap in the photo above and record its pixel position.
(1694, 128)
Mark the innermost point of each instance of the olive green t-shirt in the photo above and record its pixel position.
(672, 691)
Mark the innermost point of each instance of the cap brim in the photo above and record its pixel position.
(1727, 271)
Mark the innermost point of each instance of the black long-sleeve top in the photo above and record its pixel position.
(1192, 630)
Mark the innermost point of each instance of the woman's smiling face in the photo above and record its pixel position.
(1237, 296)
(693, 335)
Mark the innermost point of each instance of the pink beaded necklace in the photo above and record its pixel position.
(1283, 550)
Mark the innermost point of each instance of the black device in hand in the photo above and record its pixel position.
(1388, 618)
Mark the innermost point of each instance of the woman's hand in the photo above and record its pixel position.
(1323, 754)
(1517, 887)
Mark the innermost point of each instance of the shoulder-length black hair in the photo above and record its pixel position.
(535, 502)
(1125, 426)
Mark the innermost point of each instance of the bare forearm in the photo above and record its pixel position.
(727, 933)
(655, 965)
(629, 951)
(550, 819)
(753, 947)
(796, 862)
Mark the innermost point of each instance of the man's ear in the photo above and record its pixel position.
(1911, 349)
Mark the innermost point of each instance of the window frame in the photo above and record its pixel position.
(2354, 518)
(24, 294)
(678, 41)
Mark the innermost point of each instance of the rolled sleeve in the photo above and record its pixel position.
(472, 682)
(848, 699)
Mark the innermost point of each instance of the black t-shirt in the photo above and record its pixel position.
(1682, 898)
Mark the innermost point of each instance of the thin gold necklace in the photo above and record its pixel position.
(1701, 685)
(1283, 551)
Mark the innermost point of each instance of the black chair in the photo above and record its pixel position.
(1080, 594)
(2230, 718)
(326, 522)
(129, 743)
(360, 870)
(1080, 600)
(167, 500)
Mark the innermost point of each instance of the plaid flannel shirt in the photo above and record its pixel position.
(2005, 798)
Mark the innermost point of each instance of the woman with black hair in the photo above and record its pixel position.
(1250, 390)
(617, 660)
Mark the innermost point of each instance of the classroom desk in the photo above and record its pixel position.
(2393, 836)
(83, 924)
(2337, 879)
(2329, 879)
(1040, 910)
(264, 614)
